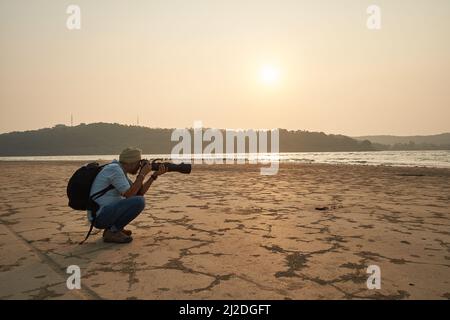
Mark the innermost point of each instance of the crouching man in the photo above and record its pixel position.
(122, 204)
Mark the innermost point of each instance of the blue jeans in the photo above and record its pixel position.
(117, 215)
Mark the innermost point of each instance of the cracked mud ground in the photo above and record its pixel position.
(225, 232)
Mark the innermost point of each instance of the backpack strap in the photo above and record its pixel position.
(89, 232)
(100, 193)
(94, 213)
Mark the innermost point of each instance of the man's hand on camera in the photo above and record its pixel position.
(145, 169)
(161, 170)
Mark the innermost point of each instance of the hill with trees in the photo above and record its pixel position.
(111, 138)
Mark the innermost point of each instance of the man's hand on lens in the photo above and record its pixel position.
(161, 170)
(145, 169)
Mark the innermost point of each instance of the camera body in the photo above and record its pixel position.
(171, 167)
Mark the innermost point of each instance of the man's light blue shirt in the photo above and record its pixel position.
(111, 174)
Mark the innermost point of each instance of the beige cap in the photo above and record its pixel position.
(130, 155)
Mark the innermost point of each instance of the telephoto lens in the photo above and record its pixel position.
(172, 167)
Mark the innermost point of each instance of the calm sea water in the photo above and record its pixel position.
(439, 159)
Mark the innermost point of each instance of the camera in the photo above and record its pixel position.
(171, 167)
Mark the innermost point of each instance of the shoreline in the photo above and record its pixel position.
(261, 164)
(256, 165)
(423, 159)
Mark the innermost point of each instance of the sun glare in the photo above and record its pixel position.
(269, 75)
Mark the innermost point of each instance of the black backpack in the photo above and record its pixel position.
(79, 188)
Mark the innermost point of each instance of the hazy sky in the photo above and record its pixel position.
(293, 64)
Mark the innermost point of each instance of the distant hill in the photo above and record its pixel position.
(431, 142)
(84, 139)
(107, 138)
(305, 141)
(437, 139)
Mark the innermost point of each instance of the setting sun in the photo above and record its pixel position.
(270, 75)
